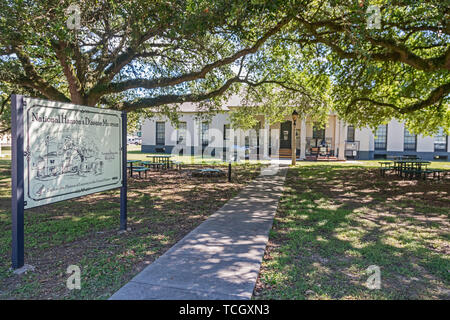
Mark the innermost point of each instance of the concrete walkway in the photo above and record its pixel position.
(221, 258)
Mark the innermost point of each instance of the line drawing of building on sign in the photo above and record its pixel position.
(66, 155)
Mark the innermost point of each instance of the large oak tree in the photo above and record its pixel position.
(279, 55)
(400, 68)
(130, 55)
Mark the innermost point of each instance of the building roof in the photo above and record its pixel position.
(233, 101)
(195, 107)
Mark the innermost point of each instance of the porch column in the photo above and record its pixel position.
(195, 140)
(293, 144)
(303, 139)
(266, 139)
(240, 153)
(341, 140)
(337, 135)
(275, 139)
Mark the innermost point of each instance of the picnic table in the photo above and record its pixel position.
(208, 172)
(131, 165)
(410, 167)
(385, 166)
(406, 168)
(161, 159)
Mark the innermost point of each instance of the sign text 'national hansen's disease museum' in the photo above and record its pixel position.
(62, 151)
(69, 151)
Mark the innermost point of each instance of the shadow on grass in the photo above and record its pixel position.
(84, 231)
(334, 222)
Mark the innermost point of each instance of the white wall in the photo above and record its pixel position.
(193, 125)
(395, 140)
(330, 128)
(365, 138)
(216, 135)
(425, 144)
(395, 136)
(275, 137)
(149, 129)
(148, 132)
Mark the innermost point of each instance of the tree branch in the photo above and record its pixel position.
(397, 52)
(75, 87)
(100, 90)
(172, 99)
(4, 103)
(35, 81)
(434, 97)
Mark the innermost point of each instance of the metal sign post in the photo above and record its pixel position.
(17, 192)
(123, 189)
(85, 152)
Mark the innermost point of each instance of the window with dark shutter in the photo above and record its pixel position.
(410, 141)
(440, 141)
(160, 133)
(381, 137)
(351, 133)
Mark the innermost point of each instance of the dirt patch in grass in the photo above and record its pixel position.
(162, 209)
(334, 222)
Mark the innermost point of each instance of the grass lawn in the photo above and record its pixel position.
(5, 153)
(134, 153)
(335, 220)
(162, 209)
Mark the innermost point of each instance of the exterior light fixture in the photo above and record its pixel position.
(295, 116)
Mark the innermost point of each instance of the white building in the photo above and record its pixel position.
(196, 135)
(5, 139)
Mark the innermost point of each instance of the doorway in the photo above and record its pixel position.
(286, 135)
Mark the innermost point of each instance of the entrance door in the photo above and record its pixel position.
(285, 135)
